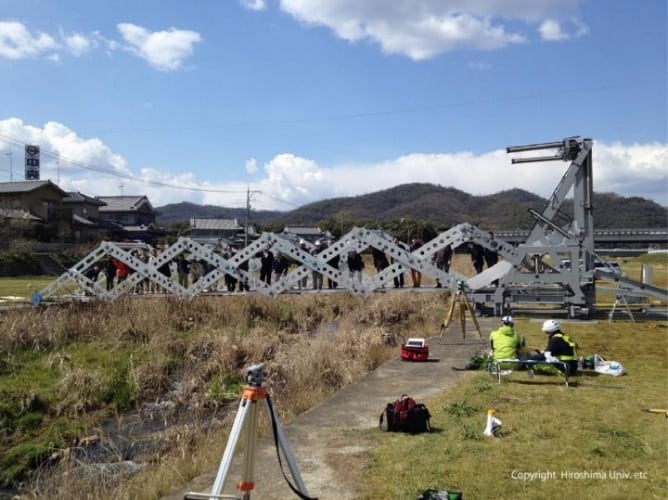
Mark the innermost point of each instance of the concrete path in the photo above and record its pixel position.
(321, 438)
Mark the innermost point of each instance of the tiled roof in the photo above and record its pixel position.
(76, 197)
(303, 230)
(214, 224)
(26, 186)
(142, 227)
(123, 203)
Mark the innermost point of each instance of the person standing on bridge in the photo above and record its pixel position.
(491, 256)
(109, 273)
(380, 261)
(280, 266)
(442, 259)
(399, 279)
(182, 270)
(416, 276)
(316, 277)
(355, 266)
(304, 281)
(266, 265)
(333, 262)
(477, 257)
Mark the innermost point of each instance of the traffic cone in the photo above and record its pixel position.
(493, 424)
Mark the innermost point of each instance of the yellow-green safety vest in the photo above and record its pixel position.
(570, 342)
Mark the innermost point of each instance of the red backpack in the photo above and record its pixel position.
(405, 415)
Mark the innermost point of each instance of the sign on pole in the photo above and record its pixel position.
(32, 163)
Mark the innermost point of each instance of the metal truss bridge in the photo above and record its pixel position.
(554, 265)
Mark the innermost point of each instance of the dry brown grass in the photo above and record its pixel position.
(194, 353)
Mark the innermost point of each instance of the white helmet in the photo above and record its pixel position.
(508, 320)
(551, 326)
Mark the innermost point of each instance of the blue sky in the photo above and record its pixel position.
(301, 100)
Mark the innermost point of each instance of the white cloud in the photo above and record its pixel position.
(90, 166)
(251, 165)
(421, 29)
(554, 31)
(108, 44)
(637, 169)
(254, 4)
(16, 42)
(551, 30)
(164, 50)
(78, 44)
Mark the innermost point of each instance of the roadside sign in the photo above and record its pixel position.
(32, 162)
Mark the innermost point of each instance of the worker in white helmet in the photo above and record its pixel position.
(560, 345)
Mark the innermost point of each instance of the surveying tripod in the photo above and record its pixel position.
(620, 298)
(247, 416)
(459, 305)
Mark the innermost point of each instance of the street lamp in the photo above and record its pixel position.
(11, 169)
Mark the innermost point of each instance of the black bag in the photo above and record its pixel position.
(433, 494)
(405, 415)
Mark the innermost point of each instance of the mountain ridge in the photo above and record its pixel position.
(442, 206)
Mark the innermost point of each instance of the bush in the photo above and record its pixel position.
(18, 264)
(24, 263)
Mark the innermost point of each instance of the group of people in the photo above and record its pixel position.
(274, 266)
(115, 271)
(507, 344)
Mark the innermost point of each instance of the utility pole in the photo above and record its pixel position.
(248, 207)
(247, 215)
(11, 167)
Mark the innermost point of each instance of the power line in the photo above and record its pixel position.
(115, 173)
(428, 107)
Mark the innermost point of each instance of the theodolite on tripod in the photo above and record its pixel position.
(460, 299)
(247, 418)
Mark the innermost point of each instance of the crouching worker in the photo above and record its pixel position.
(504, 341)
(559, 346)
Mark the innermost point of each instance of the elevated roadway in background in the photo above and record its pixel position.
(654, 237)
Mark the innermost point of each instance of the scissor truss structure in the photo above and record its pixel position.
(556, 265)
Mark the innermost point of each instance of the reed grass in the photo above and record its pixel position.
(66, 369)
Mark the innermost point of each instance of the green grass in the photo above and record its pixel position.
(584, 439)
(52, 396)
(23, 286)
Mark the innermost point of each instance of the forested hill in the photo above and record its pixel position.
(443, 206)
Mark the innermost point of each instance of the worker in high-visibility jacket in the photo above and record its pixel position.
(504, 341)
(561, 346)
